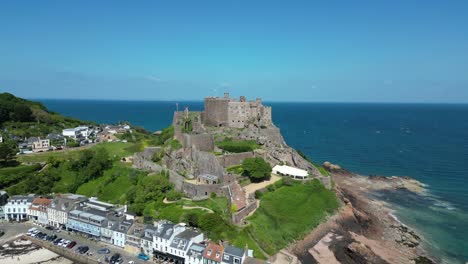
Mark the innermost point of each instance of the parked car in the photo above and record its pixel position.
(84, 249)
(71, 245)
(57, 241)
(103, 251)
(31, 231)
(65, 244)
(143, 256)
(60, 243)
(116, 258)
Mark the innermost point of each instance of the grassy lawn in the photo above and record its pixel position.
(289, 213)
(120, 177)
(218, 204)
(12, 175)
(117, 149)
(237, 146)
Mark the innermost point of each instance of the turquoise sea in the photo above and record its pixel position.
(428, 142)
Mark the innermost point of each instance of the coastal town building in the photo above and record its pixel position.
(213, 253)
(111, 224)
(292, 172)
(77, 132)
(37, 211)
(40, 145)
(164, 234)
(233, 255)
(195, 254)
(61, 205)
(180, 244)
(147, 240)
(119, 233)
(3, 202)
(133, 238)
(17, 207)
(88, 222)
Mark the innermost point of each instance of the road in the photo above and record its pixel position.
(16, 229)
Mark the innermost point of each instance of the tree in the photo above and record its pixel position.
(257, 169)
(6, 152)
(22, 113)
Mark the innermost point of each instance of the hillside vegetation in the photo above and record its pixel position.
(289, 213)
(26, 118)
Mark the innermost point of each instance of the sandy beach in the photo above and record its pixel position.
(25, 252)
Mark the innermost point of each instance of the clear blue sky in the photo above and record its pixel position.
(399, 51)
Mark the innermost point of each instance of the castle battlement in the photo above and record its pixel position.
(229, 112)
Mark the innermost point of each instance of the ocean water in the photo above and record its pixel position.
(428, 142)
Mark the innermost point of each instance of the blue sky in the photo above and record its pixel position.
(351, 51)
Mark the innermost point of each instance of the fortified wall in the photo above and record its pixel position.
(228, 112)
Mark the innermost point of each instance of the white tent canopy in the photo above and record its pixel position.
(290, 171)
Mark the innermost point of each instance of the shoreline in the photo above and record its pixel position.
(366, 228)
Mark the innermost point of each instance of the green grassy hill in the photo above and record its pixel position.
(26, 118)
(289, 213)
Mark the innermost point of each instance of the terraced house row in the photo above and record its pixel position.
(114, 225)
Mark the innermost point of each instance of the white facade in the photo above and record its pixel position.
(17, 207)
(57, 217)
(69, 132)
(118, 238)
(41, 145)
(164, 234)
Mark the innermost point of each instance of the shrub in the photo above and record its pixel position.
(237, 146)
(257, 169)
(166, 134)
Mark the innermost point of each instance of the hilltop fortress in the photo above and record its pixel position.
(200, 168)
(228, 112)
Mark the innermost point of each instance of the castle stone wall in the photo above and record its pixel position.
(216, 111)
(228, 160)
(203, 142)
(238, 217)
(202, 191)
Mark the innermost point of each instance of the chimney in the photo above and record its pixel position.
(242, 99)
(226, 95)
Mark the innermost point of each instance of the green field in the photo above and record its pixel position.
(289, 213)
(117, 149)
(12, 175)
(237, 146)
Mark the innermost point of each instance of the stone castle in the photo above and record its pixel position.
(228, 112)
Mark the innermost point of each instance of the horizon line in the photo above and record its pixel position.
(267, 101)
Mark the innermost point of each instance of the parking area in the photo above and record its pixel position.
(81, 240)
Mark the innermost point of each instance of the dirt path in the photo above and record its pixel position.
(251, 188)
(197, 207)
(169, 202)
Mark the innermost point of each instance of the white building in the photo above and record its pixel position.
(163, 237)
(120, 232)
(180, 244)
(37, 211)
(17, 207)
(195, 254)
(77, 132)
(40, 145)
(147, 240)
(292, 172)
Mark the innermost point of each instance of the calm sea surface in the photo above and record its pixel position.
(428, 142)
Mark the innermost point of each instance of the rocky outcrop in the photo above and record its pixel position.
(191, 162)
